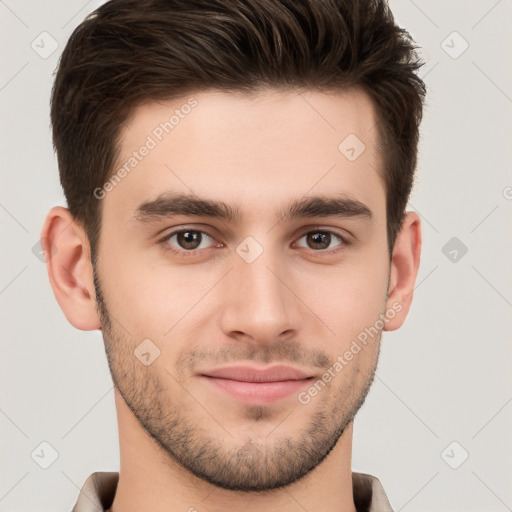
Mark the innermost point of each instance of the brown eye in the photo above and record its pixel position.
(187, 240)
(321, 240)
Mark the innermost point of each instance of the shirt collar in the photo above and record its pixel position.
(98, 491)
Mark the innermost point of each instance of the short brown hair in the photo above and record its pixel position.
(128, 52)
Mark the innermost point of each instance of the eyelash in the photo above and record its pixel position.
(164, 242)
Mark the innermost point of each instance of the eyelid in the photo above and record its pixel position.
(344, 234)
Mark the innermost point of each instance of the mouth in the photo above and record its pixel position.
(257, 386)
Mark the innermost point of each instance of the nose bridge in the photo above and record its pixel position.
(261, 305)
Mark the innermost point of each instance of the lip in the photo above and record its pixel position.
(249, 373)
(250, 384)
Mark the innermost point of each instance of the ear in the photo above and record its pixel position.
(405, 262)
(68, 262)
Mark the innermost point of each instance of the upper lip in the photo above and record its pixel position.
(246, 373)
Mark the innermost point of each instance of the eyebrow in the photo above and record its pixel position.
(171, 204)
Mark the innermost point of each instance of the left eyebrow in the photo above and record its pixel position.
(324, 206)
(170, 204)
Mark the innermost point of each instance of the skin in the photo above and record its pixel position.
(184, 443)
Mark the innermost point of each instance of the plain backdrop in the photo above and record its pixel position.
(436, 427)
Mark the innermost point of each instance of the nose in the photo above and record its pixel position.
(259, 304)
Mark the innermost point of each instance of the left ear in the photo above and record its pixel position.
(405, 262)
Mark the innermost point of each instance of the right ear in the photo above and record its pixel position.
(68, 262)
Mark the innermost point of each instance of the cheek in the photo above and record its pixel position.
(151, 298)
(348, 298)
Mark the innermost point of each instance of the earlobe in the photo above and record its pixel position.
(69, 268)
(405, 263)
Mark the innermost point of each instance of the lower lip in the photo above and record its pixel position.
(257, 393)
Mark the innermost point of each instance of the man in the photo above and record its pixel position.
(237, 174)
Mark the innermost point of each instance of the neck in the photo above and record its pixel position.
(149, 479)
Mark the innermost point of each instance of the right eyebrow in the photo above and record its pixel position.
(167, 205)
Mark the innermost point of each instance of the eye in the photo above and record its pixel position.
(189, 242)
(185, 241)
(321, 240)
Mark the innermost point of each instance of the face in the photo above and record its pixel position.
(243, 332)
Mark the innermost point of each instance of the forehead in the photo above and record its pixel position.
(261, 150)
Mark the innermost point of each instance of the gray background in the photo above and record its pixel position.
(443, 378)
